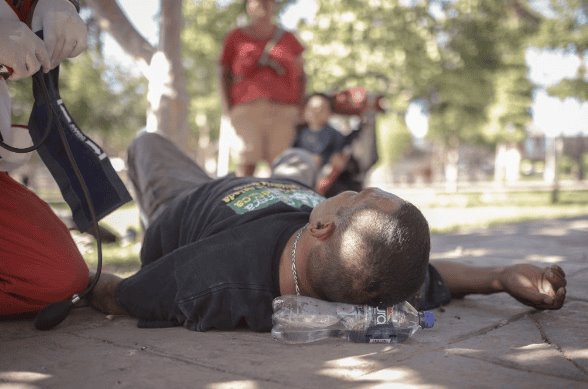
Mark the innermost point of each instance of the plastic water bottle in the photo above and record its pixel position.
(302, 319)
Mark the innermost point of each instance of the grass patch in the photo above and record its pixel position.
(508, 199)
(452, 212)
(448, 220)
(122, 260)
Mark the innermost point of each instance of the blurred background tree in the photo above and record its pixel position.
(565, 27)
(463, 59)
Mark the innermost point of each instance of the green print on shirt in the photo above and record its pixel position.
(260, 195)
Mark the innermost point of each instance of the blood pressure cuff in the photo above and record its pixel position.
(106, 190)
(432, 294)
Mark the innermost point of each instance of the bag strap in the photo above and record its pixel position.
(265, 60)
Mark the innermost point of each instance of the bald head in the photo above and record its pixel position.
(377, 256)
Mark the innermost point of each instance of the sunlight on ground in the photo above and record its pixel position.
(545, 258)
(395, 378)
(534, 353)
(462, 351)
(349, 368)
(576, 355)
(243, 384)
(460, 252)
(539, 352)
(21, 379)
(361, 368)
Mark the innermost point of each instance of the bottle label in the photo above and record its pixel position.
(383, 315)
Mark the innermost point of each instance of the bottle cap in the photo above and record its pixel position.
(428, 319)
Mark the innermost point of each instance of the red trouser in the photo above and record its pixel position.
(39, 261)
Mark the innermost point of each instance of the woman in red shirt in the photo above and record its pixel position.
(262, 84)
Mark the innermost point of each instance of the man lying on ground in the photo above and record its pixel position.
(217, 252)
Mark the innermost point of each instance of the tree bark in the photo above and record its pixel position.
(173, 104)
(112, 19)
(162, 66)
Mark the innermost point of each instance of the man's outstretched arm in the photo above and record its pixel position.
(542, 288)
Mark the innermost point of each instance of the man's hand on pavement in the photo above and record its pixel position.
(541, 288)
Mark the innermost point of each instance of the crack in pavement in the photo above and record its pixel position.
(548, 341)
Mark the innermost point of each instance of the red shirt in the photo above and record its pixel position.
(22, 8)
(252, 81)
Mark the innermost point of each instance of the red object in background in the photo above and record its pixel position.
(5, 71)
(357, 100)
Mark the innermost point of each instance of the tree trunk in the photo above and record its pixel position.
(507, 163)
(112, 19)
(172, 108)
(452, 167)
(162, 66)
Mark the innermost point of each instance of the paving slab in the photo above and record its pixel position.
(479, 341)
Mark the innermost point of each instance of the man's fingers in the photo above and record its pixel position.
(558, 271)
(556, 277)
(560, 297)
(553, 302)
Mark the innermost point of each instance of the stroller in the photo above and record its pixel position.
(360, 142)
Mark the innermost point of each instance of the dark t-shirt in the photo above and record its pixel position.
(324, 142)
(211, 259)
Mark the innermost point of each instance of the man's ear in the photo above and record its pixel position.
(322, 231)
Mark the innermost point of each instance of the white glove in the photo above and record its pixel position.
(21, 49)
(64, 32)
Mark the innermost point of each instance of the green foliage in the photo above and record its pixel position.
(394, 138)
(575, 88)
(21, 92)
(464, 57)
(206, 24)
(565, 28)
(107, 103)
(483, 94)
(383, 46)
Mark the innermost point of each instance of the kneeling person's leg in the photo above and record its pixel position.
(40, 262)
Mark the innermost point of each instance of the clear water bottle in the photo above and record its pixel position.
(302, 319)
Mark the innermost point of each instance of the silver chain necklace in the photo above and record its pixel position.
(294, 272)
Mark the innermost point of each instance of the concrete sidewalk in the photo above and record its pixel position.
(485, 341)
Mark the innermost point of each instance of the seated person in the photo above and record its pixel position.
(217, 252)
(317, 136)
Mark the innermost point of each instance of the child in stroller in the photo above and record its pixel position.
(345, 159)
